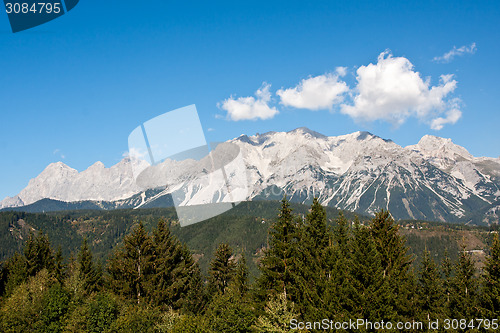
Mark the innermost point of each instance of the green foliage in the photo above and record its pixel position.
(55, 304)
(222, 269)
(430, 292)
(131, 267)
(174, 272)
(229, 312)
(101, 313)
(277, 316)
(279, 264)
(311, 268)
(133, 319)
(89, 272)
(396, 263)
(463, 291)
(491, 281)
(21, 311)
(371, 288)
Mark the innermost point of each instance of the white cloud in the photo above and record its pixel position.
(448, 56)
(452, 116)
(314, 93)
(391, 90)
(250, 108)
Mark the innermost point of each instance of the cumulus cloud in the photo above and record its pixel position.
(448, 56)
(250, 108)
(315, 93)
(451, 117)
(391, 90)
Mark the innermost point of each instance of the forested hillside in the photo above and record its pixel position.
(243, 228)
(310, 270)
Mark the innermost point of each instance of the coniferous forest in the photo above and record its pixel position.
(310, 274)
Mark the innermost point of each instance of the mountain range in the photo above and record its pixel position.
(434, 179)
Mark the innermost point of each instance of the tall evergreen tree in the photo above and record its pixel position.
(313, 271)
(222, 269)
(447, 272)
(38, 254)
(396, 263)
(431, 301)
(316, 229)
(88, 270)
(59, 266)
(174, 272)
(241, 277)
(339, 291)
(281, 258)
(195, 298)
(463, 297)
(491, 281)
(371, 292)
(131, 266)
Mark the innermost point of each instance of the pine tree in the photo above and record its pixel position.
(491, 281)
(241, 277)
(131, 266)
(339, 291)
(282, 257)
(88, 270)
(341, 234)
(370, 292)
(396, 263)
(431, 299)
(312, 273)
(463, 301)
(222, 269)
(38, 254)
(315, 227)
(447, 272)
(195, 298)
(167, 282)
(59, 266)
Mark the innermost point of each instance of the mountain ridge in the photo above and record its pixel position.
(433, 179)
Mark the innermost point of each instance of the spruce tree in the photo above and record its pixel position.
(38, 254)
(447, 272)
(431, 300)
(59, 266)
(131, 266)
(491, 281)
(282, 257)
(195, 298)
(396, 263)
(339, 291)
(316, 229)
(169, 276)
(463, 298)
(370, 292)
(241, 277)
(88, 270)
(312, 271)
(222, 269)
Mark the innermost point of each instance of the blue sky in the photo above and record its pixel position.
(73, 89)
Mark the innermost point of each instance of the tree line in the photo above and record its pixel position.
(308, 272)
